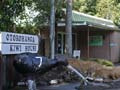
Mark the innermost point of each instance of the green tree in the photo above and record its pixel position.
(85, 6)
(9, 9)
(43, 7)
(50, 11)
(108, 9)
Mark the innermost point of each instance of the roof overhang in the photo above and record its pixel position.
(81, 19)
(90, 24)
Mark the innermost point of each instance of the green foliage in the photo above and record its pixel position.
(9, 9)
(28, 29)
(99, 61)
(12, 9)
(43, 7)
(102, 61)
(117, 15)
(108, 9)
(85, 6)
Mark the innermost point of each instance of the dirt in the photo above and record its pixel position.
(95, 70)
(60, 73)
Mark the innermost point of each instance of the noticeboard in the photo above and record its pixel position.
(76, 53)
(14, 43)
(95, 41)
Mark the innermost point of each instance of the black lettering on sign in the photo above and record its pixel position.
(7, 37)
(10, 37)
(30, 48)
(20, 38)
(15, 48)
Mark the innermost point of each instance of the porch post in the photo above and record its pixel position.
(56, 38)
(88, 49)
(1, 72)
(109, 47)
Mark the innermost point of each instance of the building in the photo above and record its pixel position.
(94, 37)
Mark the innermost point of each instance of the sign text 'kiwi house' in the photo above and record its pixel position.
(14, 43)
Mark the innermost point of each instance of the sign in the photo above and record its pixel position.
(96, 41)
(112, 44)
(76, 53)
(14, 43)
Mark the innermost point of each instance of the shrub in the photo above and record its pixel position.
(100, 61)
(103, 61)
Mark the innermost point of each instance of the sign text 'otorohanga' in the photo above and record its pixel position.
(14, 43)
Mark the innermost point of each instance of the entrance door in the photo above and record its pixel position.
(61, 42)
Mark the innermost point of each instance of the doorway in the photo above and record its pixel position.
(61, 49)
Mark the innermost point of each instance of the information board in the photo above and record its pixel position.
(76, 53)
(96, 41)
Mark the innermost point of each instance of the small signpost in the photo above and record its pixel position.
(76, 54)
(11, 44)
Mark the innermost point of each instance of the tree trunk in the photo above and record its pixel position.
(69, 28)
(52, 30)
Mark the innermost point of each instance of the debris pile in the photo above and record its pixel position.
(58, 74)
(89, 69)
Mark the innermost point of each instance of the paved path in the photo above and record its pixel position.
(72, 86)
(61, 87)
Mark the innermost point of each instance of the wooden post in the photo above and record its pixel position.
(88, 48)
(9, 70)
(109, 46)
(4, 85)
(6, 71)
(56, 38)
(0, 72)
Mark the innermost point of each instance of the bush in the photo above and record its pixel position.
(100, 61)
(103, 62)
